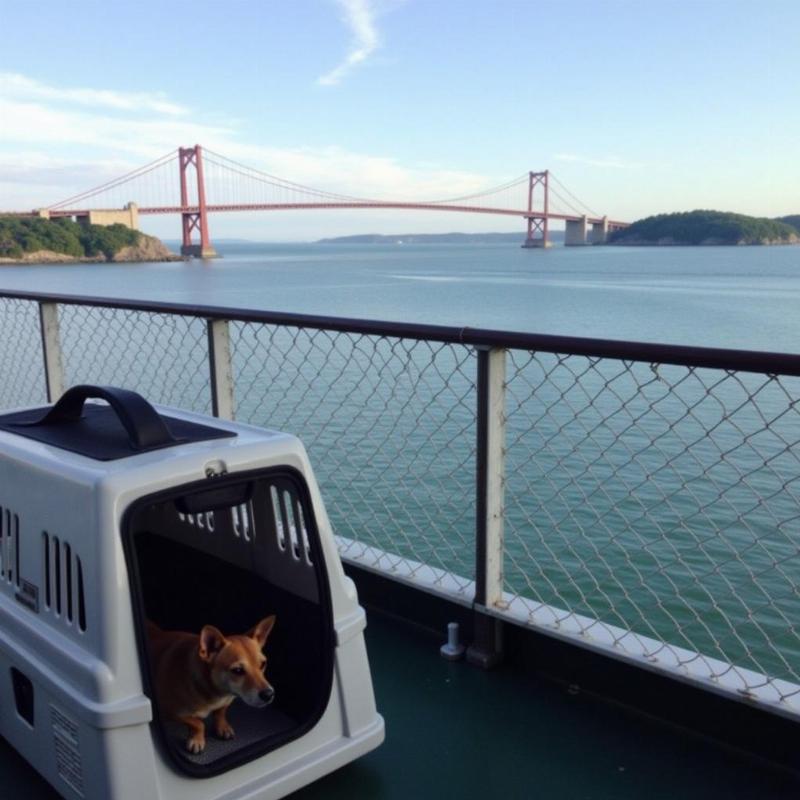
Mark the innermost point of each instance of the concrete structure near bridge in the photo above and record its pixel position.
(581, 232)
(127, 216)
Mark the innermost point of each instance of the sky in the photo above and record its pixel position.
(638, 107)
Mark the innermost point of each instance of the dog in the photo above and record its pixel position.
(197, 676)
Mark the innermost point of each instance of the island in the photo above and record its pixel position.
(33, 240)
(793, 220)
(708, 228)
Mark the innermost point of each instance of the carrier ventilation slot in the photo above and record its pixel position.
(290, 525)
(9, 546)
(63, 581)
(203, 521)
(243, 522)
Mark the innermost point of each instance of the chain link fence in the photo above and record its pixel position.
(22, 377)
(389, 424)
(660, 500)
(162, 356)
(651, 507)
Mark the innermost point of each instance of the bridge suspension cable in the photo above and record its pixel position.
(566, 205)
(77, 199)
(235, 183)
(576, 199)
(520, 181)
(281, 184)
(192, 182)
(272, 180)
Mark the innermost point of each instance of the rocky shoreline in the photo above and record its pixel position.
(149, 248)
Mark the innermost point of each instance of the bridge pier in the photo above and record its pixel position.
(538, 220)
(576, 232)
(537, 233)
(194, 219)
(599, 232)
(198, 251)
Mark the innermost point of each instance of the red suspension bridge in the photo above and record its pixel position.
(208, 182)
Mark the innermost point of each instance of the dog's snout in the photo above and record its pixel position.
(267, 695)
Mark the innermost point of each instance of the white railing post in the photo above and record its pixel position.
(221, 371)
(486, 649)
(51, 351)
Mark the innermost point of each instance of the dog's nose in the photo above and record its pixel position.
(267, 695)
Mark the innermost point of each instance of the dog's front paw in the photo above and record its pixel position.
(196, 744)
(224, 730)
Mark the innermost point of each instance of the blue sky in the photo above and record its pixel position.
(638, 107)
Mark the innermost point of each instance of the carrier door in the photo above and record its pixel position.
(229, 552)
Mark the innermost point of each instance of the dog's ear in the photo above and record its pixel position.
(261, 631)
(211, 642)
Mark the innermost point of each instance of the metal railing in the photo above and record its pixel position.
(639, 499)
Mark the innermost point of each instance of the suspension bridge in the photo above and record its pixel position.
(194, 182)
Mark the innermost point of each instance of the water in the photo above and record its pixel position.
(724, 296)
(657, 499)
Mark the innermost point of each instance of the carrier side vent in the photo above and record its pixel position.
(243, 526)
(64, 592)
(241, 519)
(9, 546)
(204, 522)
(276, 511)
(290, 524)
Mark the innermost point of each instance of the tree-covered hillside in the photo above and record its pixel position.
(29, 235)
(705, 227)
(793, 220)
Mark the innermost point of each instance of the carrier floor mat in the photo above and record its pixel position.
(250, 724)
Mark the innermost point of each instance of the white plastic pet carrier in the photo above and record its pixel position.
(114, 518)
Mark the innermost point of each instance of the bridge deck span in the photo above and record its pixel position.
(509, 212)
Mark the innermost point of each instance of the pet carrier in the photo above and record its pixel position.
(145, 557)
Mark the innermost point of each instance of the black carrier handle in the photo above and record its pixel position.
(143, 424)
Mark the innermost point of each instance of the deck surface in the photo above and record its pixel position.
(457, 732)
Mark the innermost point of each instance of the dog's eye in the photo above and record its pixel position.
(238, 670)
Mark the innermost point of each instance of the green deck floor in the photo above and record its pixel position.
(457, 732)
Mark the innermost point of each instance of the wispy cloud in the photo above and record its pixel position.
(610, 162)
(359, 15)
(49, 151)
(97, 131)
(21, 87)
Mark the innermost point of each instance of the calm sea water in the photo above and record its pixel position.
(725, 296)
(651, 498)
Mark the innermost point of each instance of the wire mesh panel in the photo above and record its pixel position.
(162, 356)
(660, 500)
(22, 375)
(390, 427)
(649, 508)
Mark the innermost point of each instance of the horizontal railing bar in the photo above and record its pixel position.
(757, 361)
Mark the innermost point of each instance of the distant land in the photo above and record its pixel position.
(793, 220)
(436, 238)
(62, 241)
(705, 227)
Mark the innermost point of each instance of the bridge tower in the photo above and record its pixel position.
(537, 220)
(195, 219)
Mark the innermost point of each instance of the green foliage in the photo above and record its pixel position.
(19, 236)
(107, 239)
(792, 219)
(698, 227)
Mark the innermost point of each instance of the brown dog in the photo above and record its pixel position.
(200, 675)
